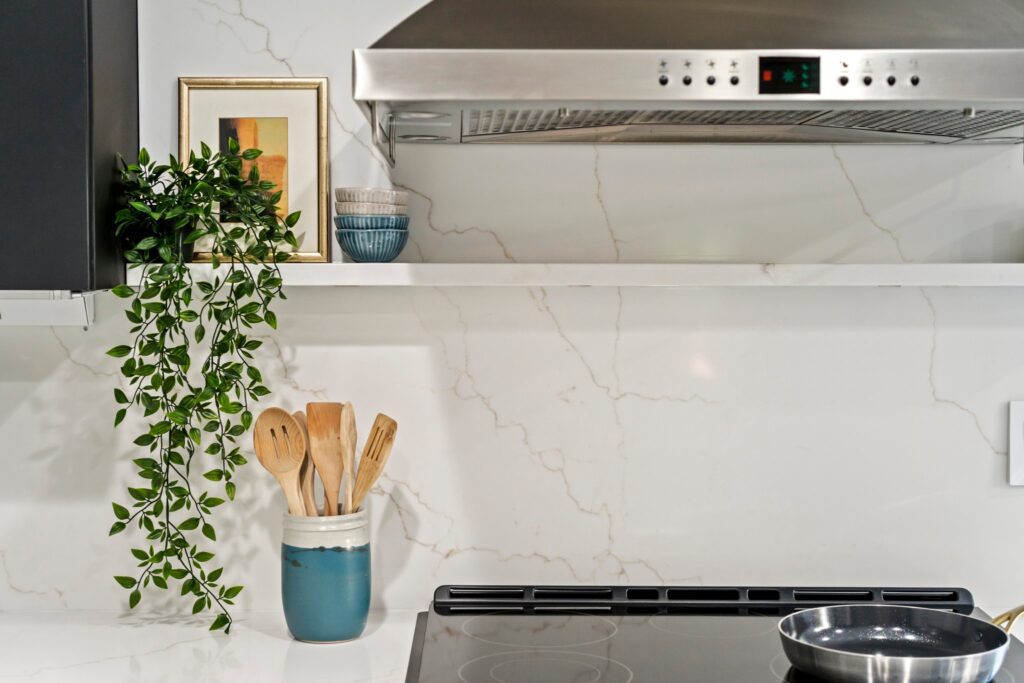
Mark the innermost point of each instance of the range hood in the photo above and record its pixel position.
(630, 71)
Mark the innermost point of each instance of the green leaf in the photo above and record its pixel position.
(230, 593)
(214, 475)
(144, 440)
(189, 524)
(119, 416)
(213, 502)
(203, 556)
(122, 291)
(140, 554)
(116, 528)
(119, 351)
(146, 243)
(119, 396)
(271, 319)
(205, 149)
(292, 218)
(214, 575)
(125, 581)
(220, 622)
(199, 605)
(209, 532)
(120, 511)
(159, 581)
(134, 598)
(251, 154)
(143, 157)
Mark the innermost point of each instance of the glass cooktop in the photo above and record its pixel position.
(509, 640)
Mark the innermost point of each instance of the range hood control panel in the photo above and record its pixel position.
(750, 75)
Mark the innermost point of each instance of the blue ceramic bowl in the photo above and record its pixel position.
(359, 222)
(372, 246)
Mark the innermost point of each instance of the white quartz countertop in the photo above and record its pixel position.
(108, 647)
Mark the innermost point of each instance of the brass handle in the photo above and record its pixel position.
(1006, 620)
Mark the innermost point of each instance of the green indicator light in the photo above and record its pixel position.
(789, 76)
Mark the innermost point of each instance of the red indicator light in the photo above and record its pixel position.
(766, 76)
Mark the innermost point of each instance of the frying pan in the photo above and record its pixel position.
(894, 644)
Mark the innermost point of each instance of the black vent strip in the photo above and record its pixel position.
(711, 600)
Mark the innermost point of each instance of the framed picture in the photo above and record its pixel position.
(284, 117)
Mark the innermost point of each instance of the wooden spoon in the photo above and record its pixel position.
(324, 420)
(307, 471)
(348, 451)
(375, 455)
(281, 447)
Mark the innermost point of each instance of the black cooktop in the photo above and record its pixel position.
(624, 634)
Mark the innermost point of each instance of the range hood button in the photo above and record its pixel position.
(867, 80)
(711, 80)
(914, 80)
(687, 80)
(663, 79)
(891, 80)
(735, 80)
(843, 80)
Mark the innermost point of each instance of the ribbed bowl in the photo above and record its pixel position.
(372, 246)
(373, 195)
(367, 209)
(353, 222)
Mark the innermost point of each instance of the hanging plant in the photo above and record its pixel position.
(189, 366)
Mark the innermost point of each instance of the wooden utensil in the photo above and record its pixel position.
(375, 455)
(281, 447)
(348, 451)
(307, 471)
(324, 422)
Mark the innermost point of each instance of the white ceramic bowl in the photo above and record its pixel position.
(369, 209)
(371, 195)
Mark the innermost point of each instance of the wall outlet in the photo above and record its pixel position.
(1016, 443)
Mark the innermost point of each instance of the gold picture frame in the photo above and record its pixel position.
(241, 104)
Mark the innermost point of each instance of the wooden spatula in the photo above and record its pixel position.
(348, 451)
(281, 447)
(375, 455)
(324, 422)
(307, 471)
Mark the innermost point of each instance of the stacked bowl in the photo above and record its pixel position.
(372, 223)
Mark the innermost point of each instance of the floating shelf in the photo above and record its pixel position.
(642, 275)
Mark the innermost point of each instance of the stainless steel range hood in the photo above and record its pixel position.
(597, 71)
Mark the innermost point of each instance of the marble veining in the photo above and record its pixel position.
(565, 435)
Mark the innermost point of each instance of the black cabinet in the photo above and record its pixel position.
(70, 104)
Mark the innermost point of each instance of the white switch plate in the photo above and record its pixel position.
(1016, 442)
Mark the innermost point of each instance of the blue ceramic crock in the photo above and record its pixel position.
(325, 576)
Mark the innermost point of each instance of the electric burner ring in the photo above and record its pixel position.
(560, 656)
(593, 641)
(591, 667)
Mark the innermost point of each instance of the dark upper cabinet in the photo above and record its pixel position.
(70, 104)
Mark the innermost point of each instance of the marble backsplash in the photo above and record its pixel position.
(583, 435)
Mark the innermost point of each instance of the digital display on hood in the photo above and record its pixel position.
(790, 75)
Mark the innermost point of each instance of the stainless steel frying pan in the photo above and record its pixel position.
(893, 644)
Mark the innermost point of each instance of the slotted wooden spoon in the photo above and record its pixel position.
(324, 422)
(307, 471)
(375, 455)
(348, 452)
(281, 447)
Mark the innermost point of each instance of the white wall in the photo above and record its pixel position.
(573, 435)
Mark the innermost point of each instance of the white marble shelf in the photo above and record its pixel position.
(643, 275)
(91, 646)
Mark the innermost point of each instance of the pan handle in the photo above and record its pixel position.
(1006, 620)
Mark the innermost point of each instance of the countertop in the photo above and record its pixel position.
(108, 647)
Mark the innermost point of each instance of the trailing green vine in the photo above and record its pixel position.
(189, 365)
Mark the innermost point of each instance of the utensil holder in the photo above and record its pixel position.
(325, 576)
